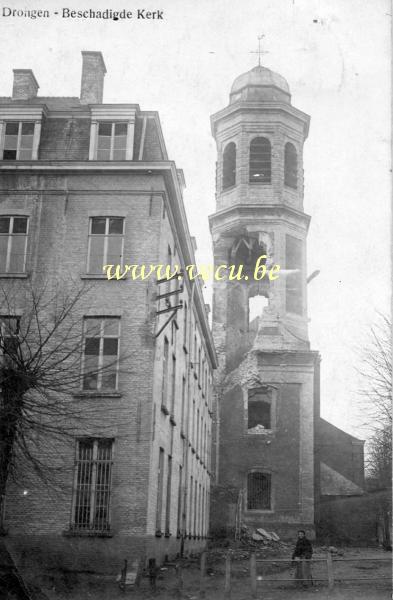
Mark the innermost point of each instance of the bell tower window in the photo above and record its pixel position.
(260, 160)
(290, 166)
(229, 166)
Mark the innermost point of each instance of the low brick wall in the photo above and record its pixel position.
(356, 520)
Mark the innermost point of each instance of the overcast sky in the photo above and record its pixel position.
(335, 55)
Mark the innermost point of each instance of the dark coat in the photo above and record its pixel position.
(303, 549)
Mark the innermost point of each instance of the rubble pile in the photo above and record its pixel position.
(261, 539)
(263, 543)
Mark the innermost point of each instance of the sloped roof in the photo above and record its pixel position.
(335, 484)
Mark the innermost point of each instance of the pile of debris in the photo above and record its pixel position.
(260, 539)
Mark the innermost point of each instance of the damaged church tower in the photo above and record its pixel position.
(264, 436)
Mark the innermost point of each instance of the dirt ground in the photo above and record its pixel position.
(275, 582)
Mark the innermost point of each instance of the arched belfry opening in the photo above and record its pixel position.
(229, 166)
(247, 250)
(258, 300)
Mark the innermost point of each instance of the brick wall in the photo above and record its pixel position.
(59, 208)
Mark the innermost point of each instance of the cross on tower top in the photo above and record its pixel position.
(259, 51)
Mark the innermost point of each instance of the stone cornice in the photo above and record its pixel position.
(235, 214)
(22, 112)
(280, 107)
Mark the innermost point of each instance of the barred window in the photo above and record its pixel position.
(260, 160)
(13, 244)
(92, 492)
(101, 353)
(112, 141)
(258, 491)
(106, 242)
(18, 140)
(229, 166)
(290, 166)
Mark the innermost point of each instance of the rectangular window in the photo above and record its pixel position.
(200, 511)
(101, 353)
(190, 515)
(18, 140)
(179, 499)
(93, 485)
(160, 486)
(13, 244)
(183, 403)
(164, 396)
(193, 424)
(106, 243)
(112, 141)
(174, 328)
(168, 497)
(205, 444)
(169, 264)
(9, 329)
(173, 386)
(195, 507)
(197, 433)
(293, 262)
(259, 491)
(259, 410)
(185, 316)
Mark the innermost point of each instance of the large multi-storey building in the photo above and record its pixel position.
(84, 184)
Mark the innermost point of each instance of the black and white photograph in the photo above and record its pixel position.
(195, 300)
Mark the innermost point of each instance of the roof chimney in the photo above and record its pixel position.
(25, 85)
(93, 73)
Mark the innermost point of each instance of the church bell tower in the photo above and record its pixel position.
(264, 449)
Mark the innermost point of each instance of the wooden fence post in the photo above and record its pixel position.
(330, 571)
(202, 575)
(253, 574)
(227, 588)
(179, 582)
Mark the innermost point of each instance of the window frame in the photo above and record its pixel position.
(107, 113)
(251, 176)
(100, 369)
(229, 162)
(14, 335)
(112, 140)
(291, 172)
(271, 392)
(105, 235)
(268, 475)
(10, 242)
(92, 491)
(26, 114)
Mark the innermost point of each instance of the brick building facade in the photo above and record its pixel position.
(85, 183)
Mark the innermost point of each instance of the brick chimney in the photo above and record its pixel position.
(25, 85)
(93, 73)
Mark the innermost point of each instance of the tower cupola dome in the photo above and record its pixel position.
(260, 84)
